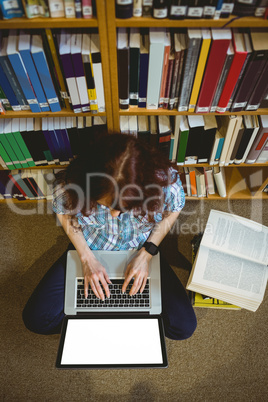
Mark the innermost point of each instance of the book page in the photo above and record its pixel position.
(236, 236)
(229, 273)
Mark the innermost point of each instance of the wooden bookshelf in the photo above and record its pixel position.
(100, 24)
(39, 23)
(231, 22)
(107, 24)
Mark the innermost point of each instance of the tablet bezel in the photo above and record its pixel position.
(164, 364)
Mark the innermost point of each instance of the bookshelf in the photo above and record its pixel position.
(98, 22)
(234, 174)
(107, 25)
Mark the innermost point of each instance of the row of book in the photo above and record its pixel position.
(217, 140)
(47, 8)
(182, 9)
(195, 70)
(202, 182)
(27, 184)
(51, 70)
(32, 142)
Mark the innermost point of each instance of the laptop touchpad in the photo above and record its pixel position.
(114, 263)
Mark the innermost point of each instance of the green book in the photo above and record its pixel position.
(5, 156)
(4, 128)
(13, 140)
(21, 142)
(183, 139)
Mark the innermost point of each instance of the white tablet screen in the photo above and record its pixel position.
(112, 341)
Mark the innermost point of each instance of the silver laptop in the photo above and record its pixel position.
(119, 332)
(115, 263)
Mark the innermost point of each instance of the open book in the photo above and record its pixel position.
(231, 264)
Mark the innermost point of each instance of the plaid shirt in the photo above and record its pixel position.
(125, 232)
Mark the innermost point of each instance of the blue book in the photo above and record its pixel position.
(54, 139)
(65, 137)
(8, 90)
(11, 76)
(48, 139)
(20, 71)
(41, 65)
(25, 52)
(143, 73)
(219, 149)
(63, 155)
(11, 9)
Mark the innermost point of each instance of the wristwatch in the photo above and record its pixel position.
(150, 247)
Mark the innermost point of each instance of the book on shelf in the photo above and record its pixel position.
(69, 8)
(95, 55)
(219, 177)
(170, 73)
(41, 65)
(123, 67)
(259, 141)
(183, 139)
(165, 68)
(134, 66)
(239, 58)
(156, 56)
(7, 93)
(137, 8)
(194, 39)
(260, 90)
(91, 88)
(87, 9)
(204, 51)
(263, 156)
(180, 40)
(76, 55)
(195, 138)
(144, 129)
(207, 138)
(12, 78)
(12, 9)
(66, 61)
(251, 128)
(133, 126)
(33, 8)
(144, 69)
(256, 63)
(20, 71)
(228, 259)
(175, 138)
(56, 8)
(124, 9)
(24, 47)
(223, 76)
(220, 43)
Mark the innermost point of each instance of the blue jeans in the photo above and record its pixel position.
(44, 311)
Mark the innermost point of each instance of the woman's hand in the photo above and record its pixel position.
(138, 268)
(94, 274)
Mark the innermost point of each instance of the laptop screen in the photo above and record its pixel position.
(112, 342)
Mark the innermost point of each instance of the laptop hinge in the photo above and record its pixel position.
(114, 314)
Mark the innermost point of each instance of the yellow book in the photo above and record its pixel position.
(54, 55)
(206, 36)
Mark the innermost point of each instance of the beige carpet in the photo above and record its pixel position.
(225, 360)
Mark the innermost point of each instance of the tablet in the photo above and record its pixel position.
(102, 342)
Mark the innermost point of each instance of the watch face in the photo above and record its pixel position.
(151, 248)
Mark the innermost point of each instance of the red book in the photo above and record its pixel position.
(165, 68)
(240, 55)
(220, 42)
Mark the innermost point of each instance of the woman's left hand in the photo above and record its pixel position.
(138, 268)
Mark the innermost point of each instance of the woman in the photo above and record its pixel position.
(119, 195)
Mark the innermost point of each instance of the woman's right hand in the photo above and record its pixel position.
(94, 275)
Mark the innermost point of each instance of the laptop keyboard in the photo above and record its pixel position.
(117, 298)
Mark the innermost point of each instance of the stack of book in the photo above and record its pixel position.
(195, 70)
(27, 184)
(181, 9)
(48, 8)
(231, 262)
(48, 71)
(32, 142)
(196, 139)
